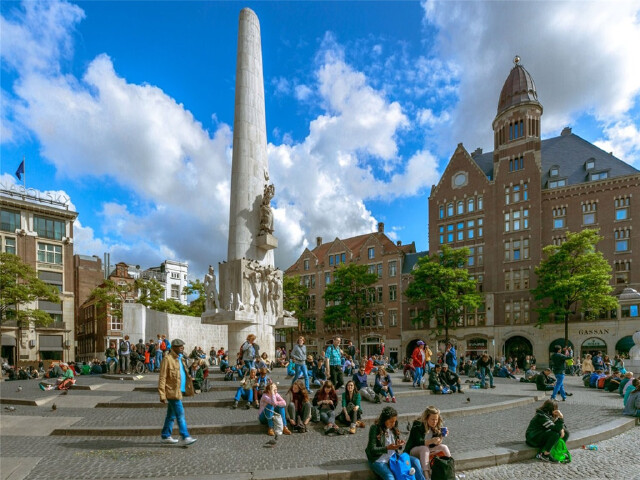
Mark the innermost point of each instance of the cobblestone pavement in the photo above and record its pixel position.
(617, 459)
(144, 457)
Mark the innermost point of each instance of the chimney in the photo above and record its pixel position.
(318, 241)
(380, 227)
(565, 131)
(399, 243)
(477, 152)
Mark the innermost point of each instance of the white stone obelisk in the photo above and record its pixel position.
(250, 298)
(250, 169)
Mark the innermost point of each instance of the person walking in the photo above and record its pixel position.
(333, 356)
(299, 358)
(174, 383)
(558, 361)
(418, 363)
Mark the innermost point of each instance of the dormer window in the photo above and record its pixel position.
(590, 164)
(599, 176)
(558, 183)
(554, 171)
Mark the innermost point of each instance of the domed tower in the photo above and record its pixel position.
(517, 123)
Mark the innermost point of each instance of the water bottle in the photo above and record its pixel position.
(590, 447)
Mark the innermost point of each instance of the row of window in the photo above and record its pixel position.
(45, 227)
(516, 279)
(377, 268)
(516, 250)
(516, 164)
(472, 204)
(622, 269)
(516, 220)
(516, 193)
(589, 213)
(516, 129)
(460, 231)
(371, 320)
(516, 312)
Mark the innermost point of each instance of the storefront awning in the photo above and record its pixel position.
(559, 341)
(9, 341)
(623, 345)
(50, 343)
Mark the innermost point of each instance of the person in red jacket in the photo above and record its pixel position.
(418, 360)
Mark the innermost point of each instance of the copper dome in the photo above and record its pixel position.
(518, 88)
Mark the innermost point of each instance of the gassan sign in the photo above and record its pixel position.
(594, 331)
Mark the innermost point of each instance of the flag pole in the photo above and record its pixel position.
(24, 172)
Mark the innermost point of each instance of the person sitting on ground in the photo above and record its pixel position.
(264, 362)
(435, 382)
(201, 372)
(351, 412)
(595, 377)
(326, 400)
(64, 382)
(632, 399)
(319, 374)
(425, 438)
(246, 389)
(384, 441)
(628, 377)
(298, 407)
(224, 363)
(212, 356)
(612, 382)
(587, 364)
(261, 385)
(408, 371)
(530, 375)
(450, 379)
(22, 374)
(505, 372)
(545, 429)
(366, 392)
(348, 365)
(270, 404)
(544, 381)
(382, 385)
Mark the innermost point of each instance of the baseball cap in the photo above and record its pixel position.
(420, 342)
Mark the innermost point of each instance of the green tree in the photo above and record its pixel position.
(573, 277)
(20, 286)
(151, 292)
(348, 296)
(197, 306)
(110, 296)
(442, 282)
(295, 298)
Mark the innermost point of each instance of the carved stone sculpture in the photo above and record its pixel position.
(266, 214)
(212, 300)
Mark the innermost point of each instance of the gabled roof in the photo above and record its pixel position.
(569, 152)
(411, 259)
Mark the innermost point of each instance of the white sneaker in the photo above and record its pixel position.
(170, 440)
(188, 441)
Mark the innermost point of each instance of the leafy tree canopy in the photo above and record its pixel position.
(347, 295)
(295, 296)
(443, 283)
(19, 287)
(573, 277)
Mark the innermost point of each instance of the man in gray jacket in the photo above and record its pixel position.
(299, 357)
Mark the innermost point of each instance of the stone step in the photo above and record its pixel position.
(255, 427)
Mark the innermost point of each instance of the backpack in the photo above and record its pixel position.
(123, 346)
(163, 345)
(443, 468)
(560, 452)
(601, 381)
(228, 376)
(400, 466)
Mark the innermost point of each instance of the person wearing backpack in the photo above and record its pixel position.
(545, 429)
(384, 442)
(124, 352)
(160, 348)
(299, 357)
(248, 352)
(333, 363)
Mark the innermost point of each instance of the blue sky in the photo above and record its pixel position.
(127, 108)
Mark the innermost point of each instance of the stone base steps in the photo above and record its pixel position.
(255, 427)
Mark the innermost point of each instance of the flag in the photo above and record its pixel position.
(20, 170)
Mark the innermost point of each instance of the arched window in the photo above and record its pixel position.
(450, 210)
(441, 211)
(470, 205)
(460, 209)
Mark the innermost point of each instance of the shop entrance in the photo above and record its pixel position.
(517, 348)
(592, 346)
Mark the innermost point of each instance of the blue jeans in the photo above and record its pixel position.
(417, 376)
(485, 371)
(384, 472)
(559, 387)
(158, 359)
(266, 417)
(301, 369)
(248, 365)
(244, 394)
(175, 411)
(111, 360)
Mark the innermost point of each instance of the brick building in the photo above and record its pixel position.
(508, 204)
(384, 257)
(39, 229)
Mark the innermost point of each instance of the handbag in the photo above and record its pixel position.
(277, 423)
(400, 466)
(560, 452)
(443, 468)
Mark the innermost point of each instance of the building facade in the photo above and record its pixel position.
(383, 257)
(171, 274)
(38, 228)
(506, 205)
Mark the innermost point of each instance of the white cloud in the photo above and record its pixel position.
(580, 55)
(623, 139)
(302, 92)
(427, 118)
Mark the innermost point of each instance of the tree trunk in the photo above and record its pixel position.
(566, 329)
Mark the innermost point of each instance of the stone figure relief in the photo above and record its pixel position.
(266, 214)
(212, 299)
(251, 282)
